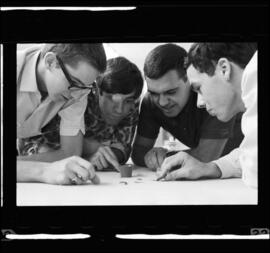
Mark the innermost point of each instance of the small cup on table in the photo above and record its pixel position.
(126, 170)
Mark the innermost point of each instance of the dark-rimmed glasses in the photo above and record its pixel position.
(72, 84)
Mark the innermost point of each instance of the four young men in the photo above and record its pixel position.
(62, 104)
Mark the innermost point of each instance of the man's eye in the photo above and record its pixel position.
(130, 101)
(196, 89)
(153, 94)
(171, 92)
(109, 96)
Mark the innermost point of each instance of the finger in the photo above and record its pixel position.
(81, 172)
(94, 163)
(92, 173)
(147, 161)
(82, 162)
(93, 176)
(170, 162)
(103, 160)
(108, 149)
(76, 171)
(90, 168)
(160, 157)
(95, 179)
(111, 159)
(98, 164)
(73, 179)
(152, 158)
(176, 175)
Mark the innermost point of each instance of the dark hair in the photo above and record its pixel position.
(72, 53)
(121, 76)
(204, 56)
(164, 58)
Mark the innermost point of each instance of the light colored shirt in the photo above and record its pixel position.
(32, 113)
(243, 161)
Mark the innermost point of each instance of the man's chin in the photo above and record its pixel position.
(224, 117)
(112, 122)
(170, 114)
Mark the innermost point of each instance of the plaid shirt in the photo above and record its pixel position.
(120, 136)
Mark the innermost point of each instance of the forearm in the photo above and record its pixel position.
(122, 159)
(138, 154)
(208, 150)
(90, 146)
(49, 156)
(212, 170)
(230, 164)
(28, 171)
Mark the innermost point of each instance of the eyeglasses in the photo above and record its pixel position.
(72, 84)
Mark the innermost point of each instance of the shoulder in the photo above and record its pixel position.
(147, 103)
(250, 81)
(22, 57)
(252, 65)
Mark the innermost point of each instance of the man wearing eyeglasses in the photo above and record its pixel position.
(53, 80)
(112, 114)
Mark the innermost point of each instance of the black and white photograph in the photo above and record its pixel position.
(136, 124)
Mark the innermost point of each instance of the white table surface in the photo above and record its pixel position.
(146, 191)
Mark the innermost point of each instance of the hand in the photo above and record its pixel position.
(103, 157)
(72, 170)
(155, 157)
(190, 168)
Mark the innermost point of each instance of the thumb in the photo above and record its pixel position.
(89, 167)
(177, 174)
(170, 162)
(82, 162)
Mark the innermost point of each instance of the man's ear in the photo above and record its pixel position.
(225, 68)
(50, 60)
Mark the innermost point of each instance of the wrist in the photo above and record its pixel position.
(213, 171)
(43, 173)
(170, 153)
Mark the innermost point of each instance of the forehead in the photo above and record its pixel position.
(84, 71)
(170, 80)
(194, 75)
(119, 97)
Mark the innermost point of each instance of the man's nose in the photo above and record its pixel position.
(119, 107)
(162, 100)
(200, 102)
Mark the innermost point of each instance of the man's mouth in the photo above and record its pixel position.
(167, 108)
(116, 116)
(211, 112)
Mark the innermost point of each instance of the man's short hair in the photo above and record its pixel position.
(164, 58)
(72, 53)
(121, 76)
(204, 56)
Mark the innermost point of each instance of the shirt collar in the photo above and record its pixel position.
(29, 79)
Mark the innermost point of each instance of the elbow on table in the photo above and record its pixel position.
(137, 159)
(71, 152)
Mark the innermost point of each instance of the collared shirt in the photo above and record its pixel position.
(244, 160)
(120, 136)
(189, 126)
(32, 113)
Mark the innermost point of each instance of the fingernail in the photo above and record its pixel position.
(167, 178)
(95, 180)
